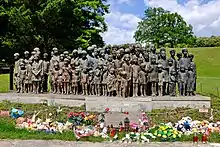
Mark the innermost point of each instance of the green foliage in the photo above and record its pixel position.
(161, 27)
(213, 41)
(66, 24)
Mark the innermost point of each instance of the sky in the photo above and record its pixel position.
(122, 21)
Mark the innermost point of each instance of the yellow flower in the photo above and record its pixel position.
(86, 118)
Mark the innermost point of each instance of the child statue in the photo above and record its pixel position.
(127, 67)
(75, 80)
(124, 84)
(111, 81)
(84, 82)
(60, 83)
(161, 80)
(104, 81)
(142, 79)
(22, 73)
(37, 73)
(153, 75)
(97, 82)
(135, 68)
(28, 81)
(163, 61)
(182, 81)
(46, 64)
(191, 80)
(172, 82)
(90, 82)
(54, 77)
(66, 76)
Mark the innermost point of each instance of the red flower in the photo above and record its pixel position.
(126, 113)
(107, 110)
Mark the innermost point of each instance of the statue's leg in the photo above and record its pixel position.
(153, 87)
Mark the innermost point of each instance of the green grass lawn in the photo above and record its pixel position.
(4, 83)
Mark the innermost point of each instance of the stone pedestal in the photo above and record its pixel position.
(116, 104)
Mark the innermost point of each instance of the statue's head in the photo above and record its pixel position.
(56, 65)
(90, 50)
(140, 60)
(83, 53)
(16, 56)
(191, 56)
(26, 54)
(172, 52)
(153, 49)
(112, 71)
(33, 53)
(170, 62)
(55, 51)
(22, 65)
(179, 55)
(127, 58)
(45, 55)
(61, 57)
(110, 58)
(143, 66)
(135, 60)
(66, 53)
(184, 51)
(163, 54)
(123, 74)
(127, 51)
(66, 61)
(173, 72)
(75, 53)
(182, 68)
(36, 57)
(153, 59)
(160, 68)
(162, 49)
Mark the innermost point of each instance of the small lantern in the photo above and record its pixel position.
(126, 124)
(121, 128)
(195, 138)
(204, 138)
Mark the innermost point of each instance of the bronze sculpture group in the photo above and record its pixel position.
(108, 71)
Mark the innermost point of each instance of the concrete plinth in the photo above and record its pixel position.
(116, 104)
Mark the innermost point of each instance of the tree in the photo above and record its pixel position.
(162, 27)
(66, 24)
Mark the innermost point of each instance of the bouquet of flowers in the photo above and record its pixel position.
(76, 118)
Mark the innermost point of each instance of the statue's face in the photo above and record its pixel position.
(61, 58)
(45, 56)
(163, 54)
(185, 52)
(182, 69)
(170, 63)
(153, 49)
(26, 55)
(55, 52)
(172, 53)
(153, 60)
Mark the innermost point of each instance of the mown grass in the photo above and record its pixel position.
(4, 83)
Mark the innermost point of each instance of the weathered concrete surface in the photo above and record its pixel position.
(67, 100)
(116, 104)
(40, 143)
(144, 103)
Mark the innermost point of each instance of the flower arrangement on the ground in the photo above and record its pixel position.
(81, 118)
(84, 124)
(165, 132)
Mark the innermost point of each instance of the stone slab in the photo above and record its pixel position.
(116, 104)
(66, 100)
(136, 104)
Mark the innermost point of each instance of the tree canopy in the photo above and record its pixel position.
(66, 24)
(160, 27)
